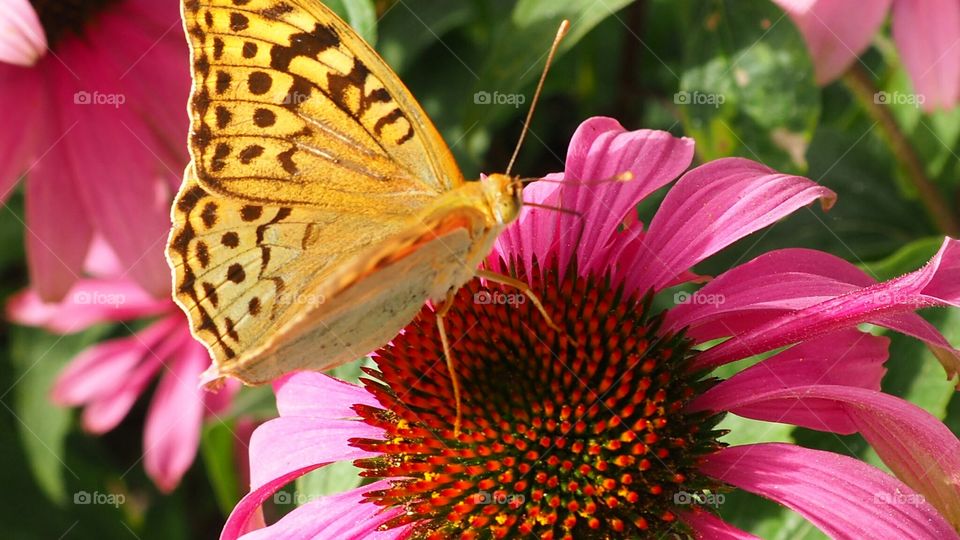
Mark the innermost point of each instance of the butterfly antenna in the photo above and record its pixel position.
(553, 208)
(622, 177)
(561, 32)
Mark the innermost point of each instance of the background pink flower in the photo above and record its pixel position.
(926, 32)
(105, 144)
(108, 378)
(533, 426)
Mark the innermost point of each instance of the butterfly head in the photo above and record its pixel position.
(503, 194)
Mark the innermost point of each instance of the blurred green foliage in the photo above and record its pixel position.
(732, 74)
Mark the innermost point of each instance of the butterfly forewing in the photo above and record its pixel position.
(290, 106)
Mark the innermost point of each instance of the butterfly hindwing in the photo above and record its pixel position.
(243, 271)
(290, 106)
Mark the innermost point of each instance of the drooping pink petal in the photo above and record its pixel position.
(834, 36)
(22, 105)
(101, 261)
(291, 443)
(917, 447)
(171, 434)
(55, 254)
(848, 357)
(155, 78)
(707, 526)
(711, 207)
(344, 515)
(88, 302)
(315, 395)
(106, 366)
(842, 496)
(129, 201)
(111, 395)
(927, 34)
(22, 39)
(764, 287)
(937, 283)
(247, 515)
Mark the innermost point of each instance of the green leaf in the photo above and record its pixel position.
(409, 27)
(360, 14)
(333, 478)
(747, 87)
(217, 445)
(914, 372)
(37, 358)
(513, 65)
(906, 259)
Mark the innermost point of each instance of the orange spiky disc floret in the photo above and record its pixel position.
(561, 438)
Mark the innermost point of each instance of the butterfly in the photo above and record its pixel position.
(321, 208)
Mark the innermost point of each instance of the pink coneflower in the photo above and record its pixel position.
(926, 32)
(108, 378)
(612, 435)
(92, 94)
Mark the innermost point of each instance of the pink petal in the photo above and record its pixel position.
(916, 446)
(835, 37)
(171, 434)
(22, 39)
(599, 150)
(247, 514)
(842, 496)
(21, 104)
(155, 77)
(531, 235)
(88, 302)
(103, 368)
(101, 261)
(707, 526)
(128, 201)
(218, 400)
(937, 283)
(711, 207)
(292, 443)
(774, 282)
(344, 515)
(115, 393)
(55, 254)
(315, 395)
(849, 357)
(927, 33)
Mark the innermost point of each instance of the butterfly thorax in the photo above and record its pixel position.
(483, 209)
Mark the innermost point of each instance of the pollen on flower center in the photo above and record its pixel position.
(61, 17)
(559, 439)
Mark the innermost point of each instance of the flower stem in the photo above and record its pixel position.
(861, 84)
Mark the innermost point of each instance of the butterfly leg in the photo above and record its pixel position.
(454, 380)
(528, 292)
